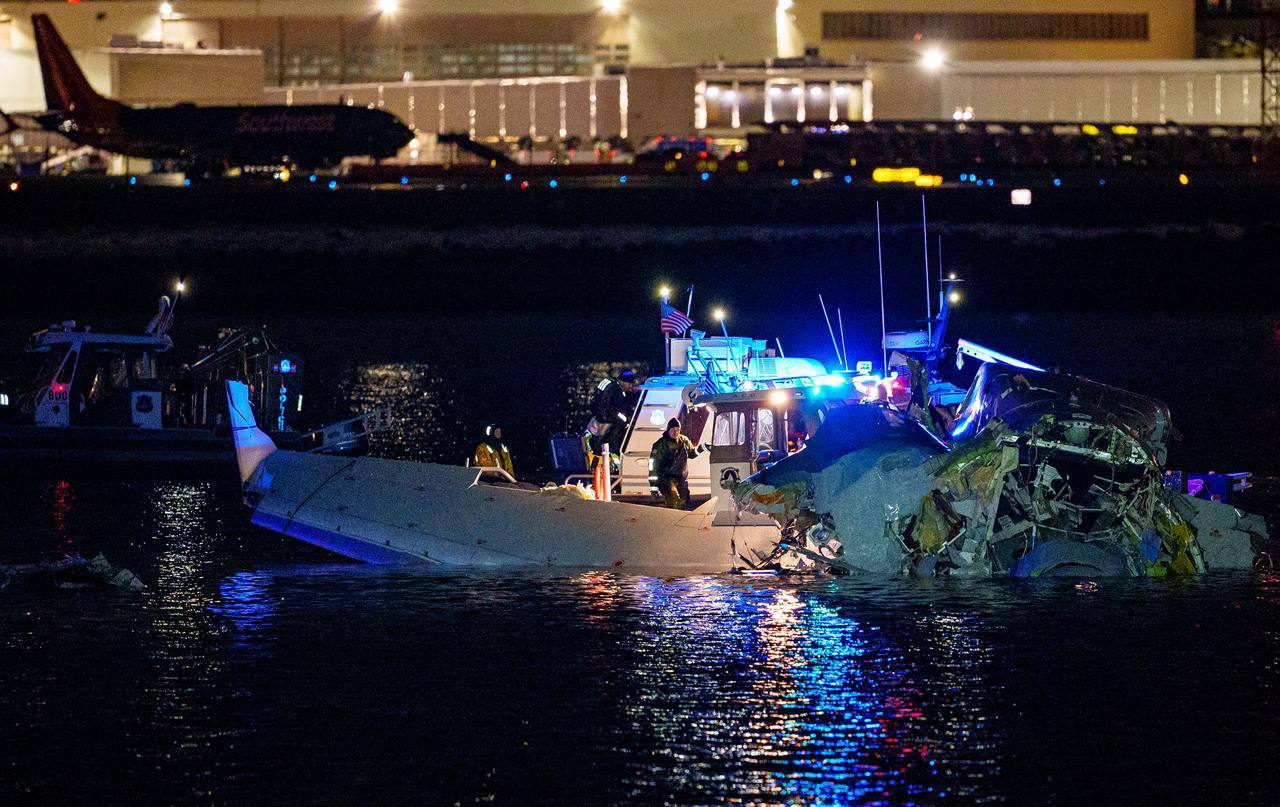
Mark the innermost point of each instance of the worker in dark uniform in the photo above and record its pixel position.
(669, 466)
(491, 452)
(612, 405)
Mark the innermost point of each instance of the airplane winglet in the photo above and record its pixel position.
(252, 444)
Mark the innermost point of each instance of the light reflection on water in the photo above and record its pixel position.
(440, 411)
(248, 657)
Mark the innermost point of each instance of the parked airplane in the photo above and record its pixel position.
(308, 135)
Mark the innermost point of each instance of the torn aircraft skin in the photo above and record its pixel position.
(1039, 474)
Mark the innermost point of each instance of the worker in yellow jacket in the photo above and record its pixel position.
(492, 452)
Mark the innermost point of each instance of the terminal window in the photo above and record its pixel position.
(976, 26)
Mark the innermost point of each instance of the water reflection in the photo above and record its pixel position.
(426, 410)
(789, 694)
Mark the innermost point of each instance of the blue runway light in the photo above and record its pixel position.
(990, 183)
(186, 182)
(848, 180)
(705, 176)
(333, 184)
(506, 177)
(964, 177)
(622, 180)
(312, 178)
(133, 180)
(1102, 182)
(404, 180)
(553, 183)
(795, 182)
(1057, 183)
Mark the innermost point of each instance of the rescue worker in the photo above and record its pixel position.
(669, 465)
(491, 452)
(612, 405)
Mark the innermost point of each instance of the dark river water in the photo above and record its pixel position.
(255, 669)
(251, 670)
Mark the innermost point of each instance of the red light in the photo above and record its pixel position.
(59, 387)
(524, 184)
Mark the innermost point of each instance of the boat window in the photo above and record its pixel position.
(764, 429)
(68, 369)
(658, 406)
(730, 429)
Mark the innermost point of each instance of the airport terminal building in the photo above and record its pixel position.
(598, 69)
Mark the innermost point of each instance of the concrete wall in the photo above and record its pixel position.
(1171, 26)
(585, 107)
(660, 31)
(1198, 91)
(660, 101)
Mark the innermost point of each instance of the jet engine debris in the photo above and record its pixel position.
(1047, 474)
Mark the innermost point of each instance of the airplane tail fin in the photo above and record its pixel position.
(252, 444)
(65, 86)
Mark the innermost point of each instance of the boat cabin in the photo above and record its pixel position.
(97, 379)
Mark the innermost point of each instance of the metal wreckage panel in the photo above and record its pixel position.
(1041, 474)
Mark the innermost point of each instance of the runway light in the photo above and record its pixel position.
(166, 8)
(779, 397)
(1183, 179)
(133, 180)
(186, 182)
(795, 182)
(553, 183)
(333, 184)
(932, 60)
(506, 177)
(1057, 183)
(622, 180)
(704, 176)
(848, 180)
(13, 186)
(312, 178)
(404, 180)
(1020, 196)
(388, 6)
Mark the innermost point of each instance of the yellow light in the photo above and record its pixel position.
(928, 181)
(954, 296)
(1125, 129)
(13, 186)
(665, 292)
(388, 6)
(718, 314)
(285, 174)
(779, 397)
(895, 174)
(932, 60)
(1183, 179)
(1090, 130)
(181, 287)
(611, 6)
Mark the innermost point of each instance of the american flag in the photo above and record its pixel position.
(674, 322)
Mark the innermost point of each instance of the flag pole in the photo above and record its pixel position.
(928, 301)
(666, 337)
(884, 351)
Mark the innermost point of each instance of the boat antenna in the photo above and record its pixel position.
(884, 351)
(688, 308)
(843, 349)
(831, 331)
(780, 353)
(928, 302)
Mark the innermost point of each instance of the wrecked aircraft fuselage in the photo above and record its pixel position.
(1039, 474)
